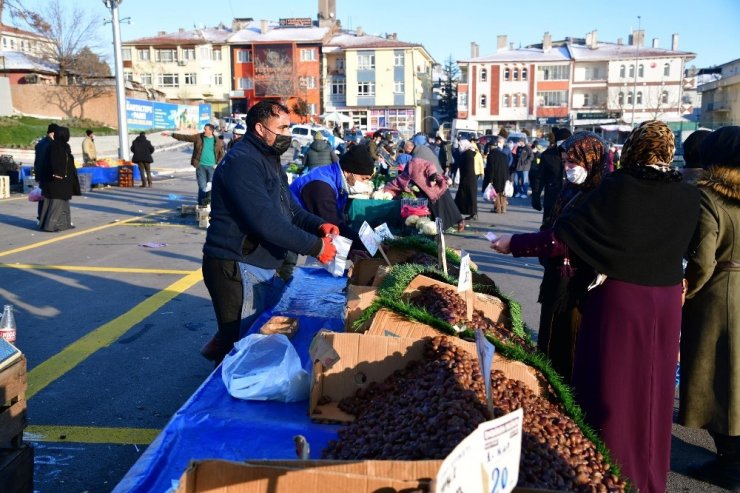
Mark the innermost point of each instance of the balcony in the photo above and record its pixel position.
(338, 99)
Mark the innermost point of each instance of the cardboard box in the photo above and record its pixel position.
(359, 299)
(363, 271)
(13, 419)
(280, 325)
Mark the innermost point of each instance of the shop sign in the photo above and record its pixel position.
(602, 115)
(296, 22)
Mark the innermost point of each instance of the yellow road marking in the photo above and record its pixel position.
(79, 233)
(84, 268)
(104, 336)
(88, 434)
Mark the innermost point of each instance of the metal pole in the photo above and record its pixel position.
(637, 55)
(123, 151)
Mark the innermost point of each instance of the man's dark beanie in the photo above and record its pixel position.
(358, 160)
(52, 128)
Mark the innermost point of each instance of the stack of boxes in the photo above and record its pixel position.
(16, 457)
(126, 176)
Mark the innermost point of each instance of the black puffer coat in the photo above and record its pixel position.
(142, 149)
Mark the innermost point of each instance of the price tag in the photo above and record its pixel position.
(487, 460)
(485, 360)
(491, 236)
(384, 232)
(441, 248)
(465, 281)
(369, 238)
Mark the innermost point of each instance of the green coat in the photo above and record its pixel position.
(710, 335)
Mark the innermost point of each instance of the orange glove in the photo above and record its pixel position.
(328, 251)
(328, 229)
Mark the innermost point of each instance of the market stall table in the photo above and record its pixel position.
(375, 212)
(212, 424)
(100, 175)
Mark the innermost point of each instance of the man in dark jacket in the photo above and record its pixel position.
(207, 153)
(41, 156)
(445, 154)
(319, 153)
(142, 151)
(496, 173)
(551, 175)
(254, 222)
(326, 189)
(524, 158)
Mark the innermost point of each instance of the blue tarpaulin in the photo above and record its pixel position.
(214, 425)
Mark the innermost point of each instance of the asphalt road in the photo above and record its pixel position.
(111, 316)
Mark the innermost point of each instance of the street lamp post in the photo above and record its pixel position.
(637, 56)
(123, 151)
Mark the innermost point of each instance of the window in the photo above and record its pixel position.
(664, 97)
(553, 72)
(622, 71)
(338, 86)
(366, 88)
(483, 101)
(308, 54)
(620, 99)
(205, 53)
(667, 70)
(146, 79)
(639, 97)
(125, 53)
(340, 63)
(143, 54)
(128, 76)
(641, 70)
(507, 74)
(483, 75)
(552, 98)
(307, 82)
(244, 56)
(398, 59)
(216, 54)
(632, 70)
(462, 100)
(168, 80)
(506, 100)
(165, 55)
(218, 79)
(245, 83)
(524, 74)
(516, 74)
(311, 108)
(524, 100)
(188, 53)
(585, 99)
(515, 101)
(398, 87)
(365, 62)
(191, 79)
(629, 98)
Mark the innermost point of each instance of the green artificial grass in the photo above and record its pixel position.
(389, 296)
(24, 131)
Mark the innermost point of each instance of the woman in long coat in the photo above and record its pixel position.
(59, 183)
(710, 335)
(633, 230)
(466, 197)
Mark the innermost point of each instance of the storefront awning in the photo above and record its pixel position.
(616, 128)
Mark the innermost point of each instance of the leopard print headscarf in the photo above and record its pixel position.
(650, 143)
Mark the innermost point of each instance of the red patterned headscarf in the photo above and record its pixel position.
(587, 150)
(650, 143)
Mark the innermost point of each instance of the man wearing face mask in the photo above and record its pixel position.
(325, 190)
(254, 222)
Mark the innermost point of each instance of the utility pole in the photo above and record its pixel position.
(123, 152)
(635, 39)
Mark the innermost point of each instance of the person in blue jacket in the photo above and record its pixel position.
(254, 222)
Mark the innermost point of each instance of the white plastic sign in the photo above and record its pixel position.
(384, 232)
(485, 358)
(487, 460)
(465, 281)
(369, 238)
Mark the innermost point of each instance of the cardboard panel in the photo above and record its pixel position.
(359, 299)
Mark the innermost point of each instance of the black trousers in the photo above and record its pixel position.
(223, 280)
(145, 170)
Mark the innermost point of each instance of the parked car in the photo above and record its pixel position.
(302, 135)
(227, 123)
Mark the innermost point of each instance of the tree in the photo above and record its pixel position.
(448, 101)
(275, 74)
(89, 79)
(300, 108)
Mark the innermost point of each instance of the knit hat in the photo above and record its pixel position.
(318, 136)
(419, 140)
(239, 129)
(650, 143)
(52, 128)
(358, 160)
(692, 148)
(561, 133)
(722, 147)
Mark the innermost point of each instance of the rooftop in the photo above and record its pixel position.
(252, 33)
(20, 32)
(613, 51)
(213, 35)
(17, 61)
(351, 40)
(555, 54)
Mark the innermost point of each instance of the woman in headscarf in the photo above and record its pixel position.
(633, 230)
(59, 183)
(432, 186)
(466, 197)
(710, 335)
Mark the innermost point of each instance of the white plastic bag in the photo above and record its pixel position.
(265, 368)
(508, 189)
(489, 194)
(336, 267)
(35, 195)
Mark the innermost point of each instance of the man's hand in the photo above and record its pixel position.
(328, 251)
(166, 134)
(328, 229)
(502, 244)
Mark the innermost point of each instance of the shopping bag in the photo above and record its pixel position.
(489, 194)
(265, 368)
(35, 195)
(336, 267)
(508, 189)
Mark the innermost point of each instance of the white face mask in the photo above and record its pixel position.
(576, 175)
(361, 187)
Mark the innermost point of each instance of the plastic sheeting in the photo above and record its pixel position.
(213, 425)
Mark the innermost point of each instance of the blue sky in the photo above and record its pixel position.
(706, 27)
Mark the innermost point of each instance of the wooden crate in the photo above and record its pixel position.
(4, 187)
(13, 382)
(126, 176)
(16, 470)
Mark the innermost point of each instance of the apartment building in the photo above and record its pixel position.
(720, 98)
(188, 66)
(578, 82)
(24, 57)
(378, 82)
